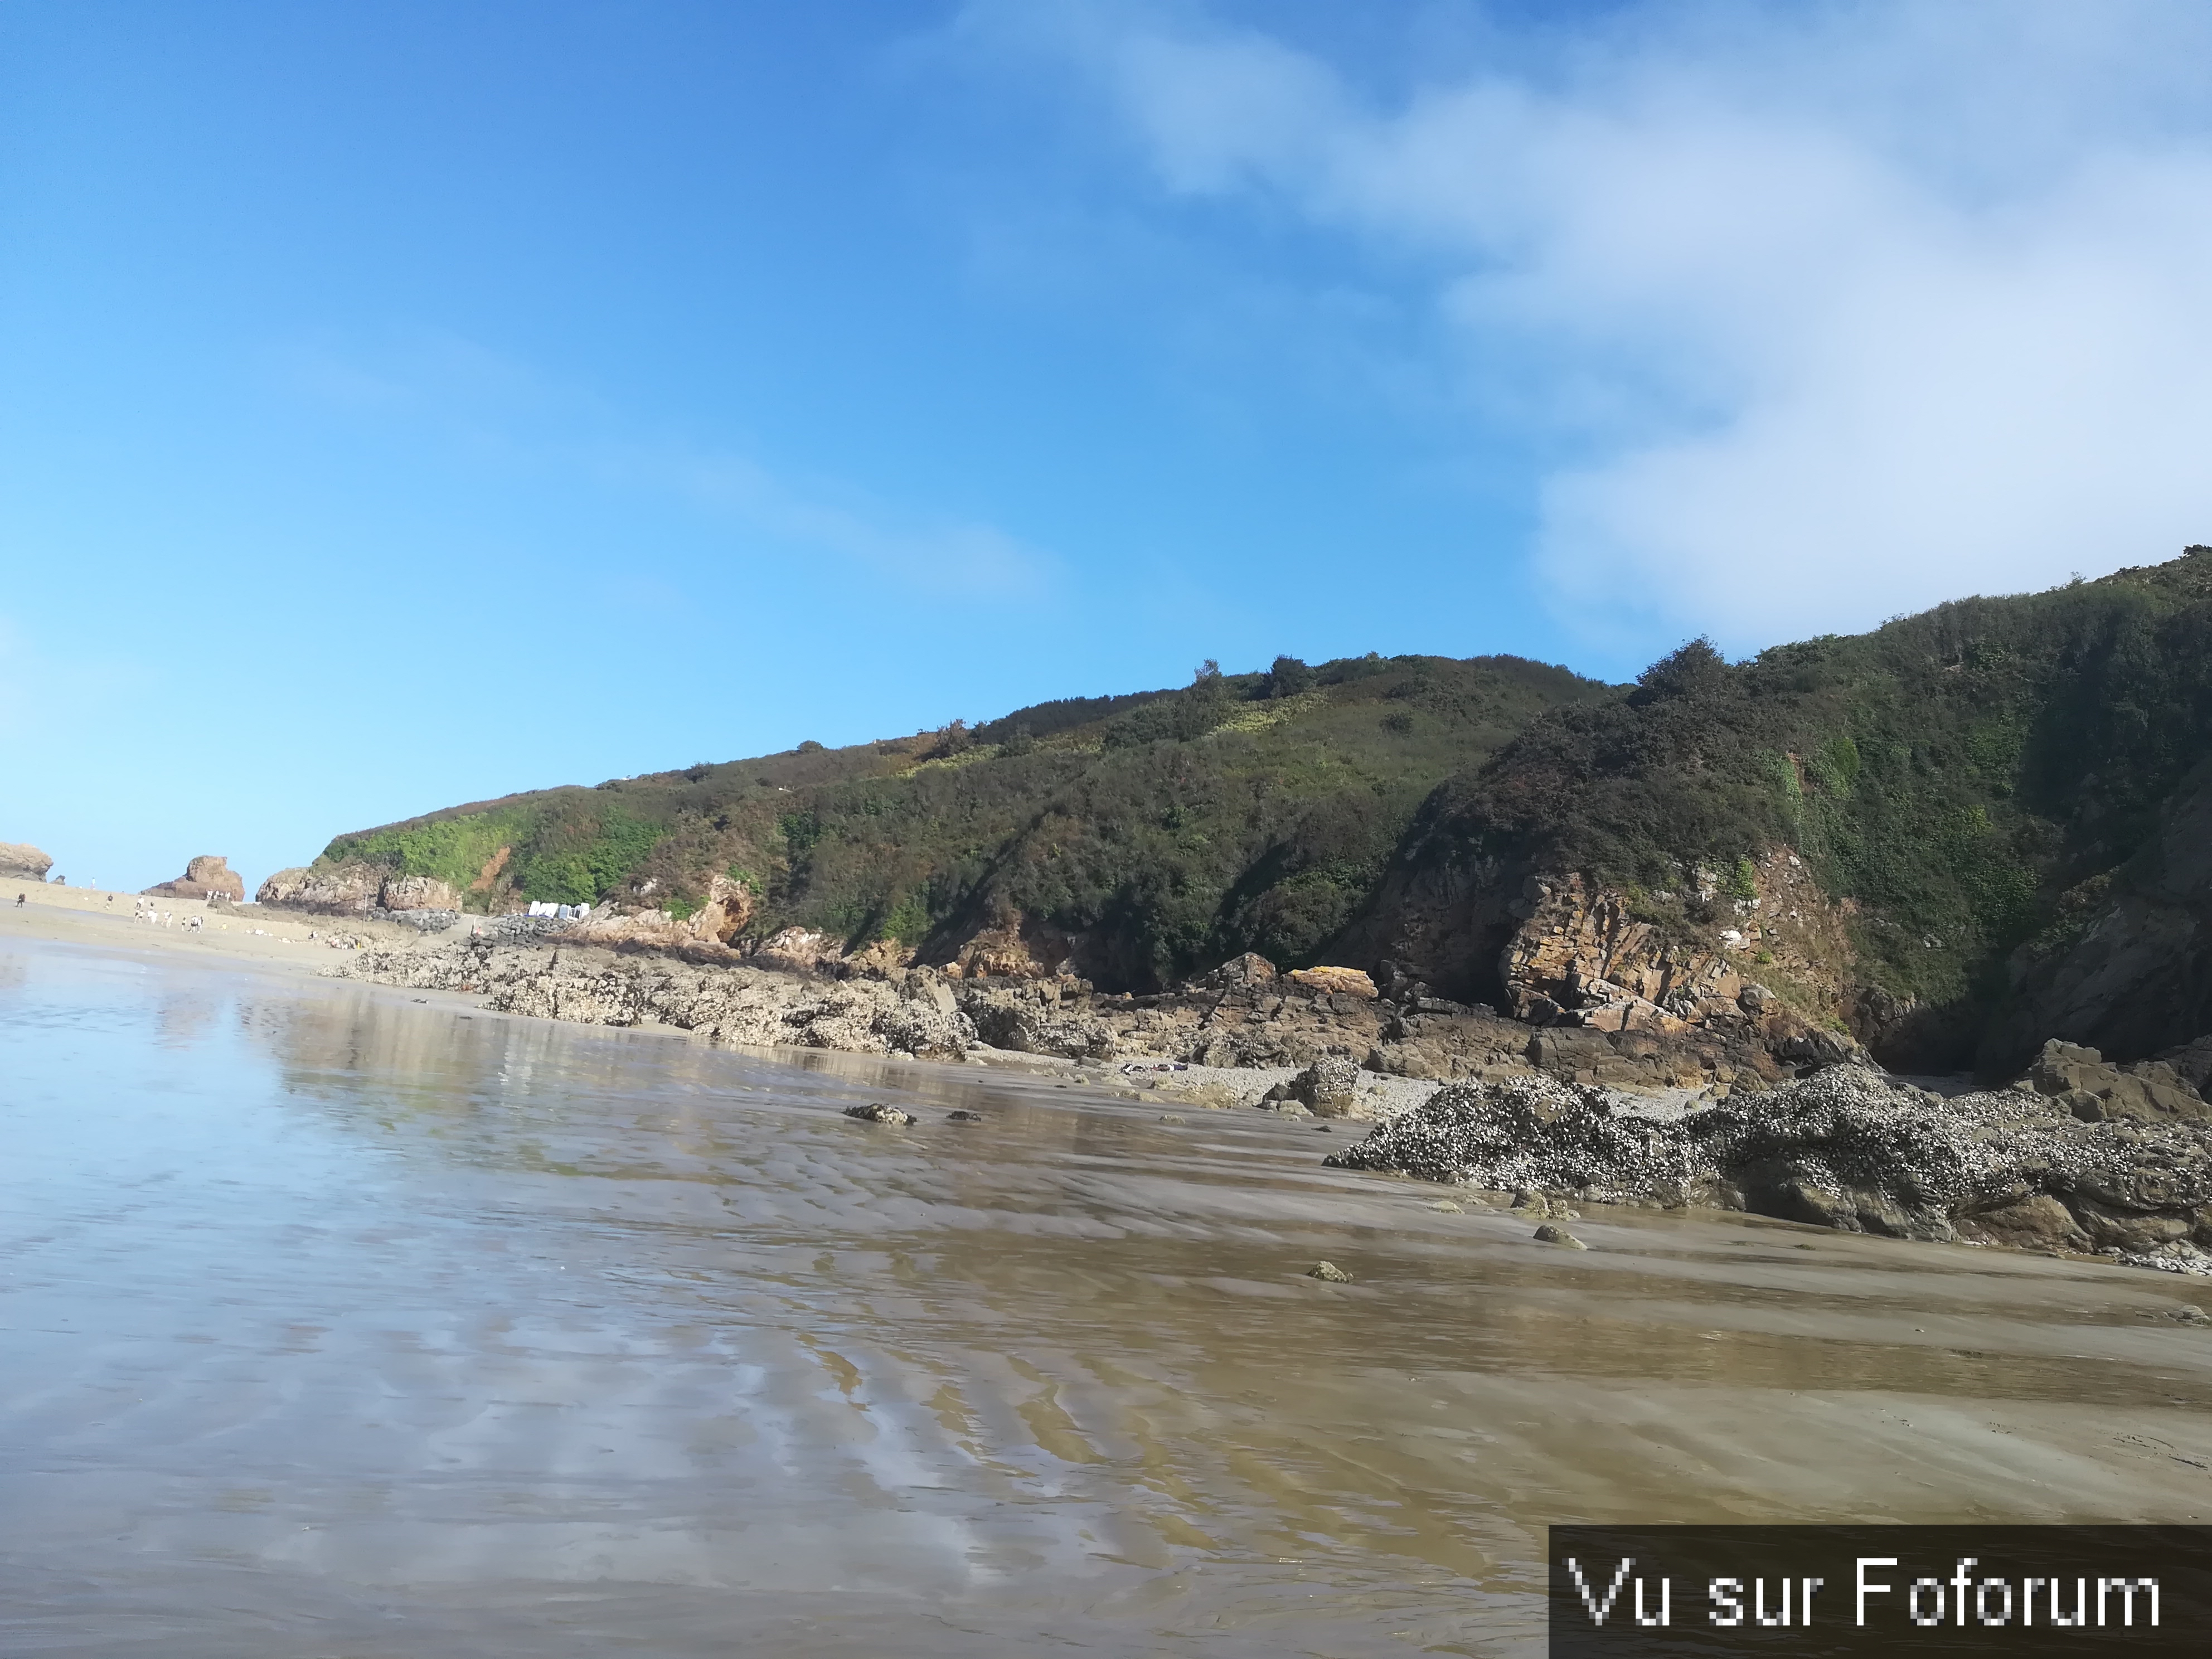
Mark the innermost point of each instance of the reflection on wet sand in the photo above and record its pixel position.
(344, 1324)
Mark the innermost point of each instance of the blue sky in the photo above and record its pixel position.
(407, 404)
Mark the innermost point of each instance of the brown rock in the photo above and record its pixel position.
(207, 876)
(22, 862)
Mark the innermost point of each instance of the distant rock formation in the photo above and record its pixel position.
(19, 861)
(206, 877)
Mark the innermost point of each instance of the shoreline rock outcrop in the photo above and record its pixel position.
(1847, 1148)
(1244, 1015)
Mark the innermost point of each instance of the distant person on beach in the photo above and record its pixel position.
(19, 901)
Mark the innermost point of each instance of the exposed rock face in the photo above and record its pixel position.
(705, 934)
(21, 862)
(1052, 1019)
(1018, 948)
(2138, 978)
(417, 893)
(1845, 1148)
(1562, 952)
(799, 951)
(334, 890)
(206, 878)
(1582, 959)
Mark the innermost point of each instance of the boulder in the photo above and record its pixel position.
(1249, 972)
(1348, 981)
(1329, 1272)
(206, 877)
(1548, 1234)
(1326, 1087)
(22, 862)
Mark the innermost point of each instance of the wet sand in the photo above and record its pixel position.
(341, 1324)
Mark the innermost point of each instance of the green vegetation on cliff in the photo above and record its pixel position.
(1976, 783)
(1972, 779)
(1169, 829)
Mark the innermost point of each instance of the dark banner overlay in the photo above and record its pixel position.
(1899, 1592)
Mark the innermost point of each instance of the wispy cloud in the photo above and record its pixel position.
(487, 404)
(1818, 312)
(952, 554)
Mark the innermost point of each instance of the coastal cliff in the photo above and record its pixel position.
(1936, 845)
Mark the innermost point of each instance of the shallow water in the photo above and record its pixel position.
(333, 1323)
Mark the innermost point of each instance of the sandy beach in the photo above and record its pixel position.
(226, 933)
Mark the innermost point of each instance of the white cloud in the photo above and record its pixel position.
(1821, 311)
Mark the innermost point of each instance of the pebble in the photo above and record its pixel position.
(1171, 1117)
(1548, 1234)
(963, 1117)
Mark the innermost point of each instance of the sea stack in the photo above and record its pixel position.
(206, 877)
(20, 861)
